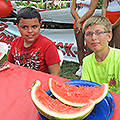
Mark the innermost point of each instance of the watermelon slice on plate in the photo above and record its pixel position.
(77, 96)
(102, 111)
(54, 109)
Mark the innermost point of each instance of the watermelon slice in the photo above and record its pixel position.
(3, 57)
(54, 109)
(77, 96)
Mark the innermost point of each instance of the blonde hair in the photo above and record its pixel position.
(97, 20)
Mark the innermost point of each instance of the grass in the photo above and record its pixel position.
(68, 70)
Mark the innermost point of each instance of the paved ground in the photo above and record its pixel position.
(60, 16)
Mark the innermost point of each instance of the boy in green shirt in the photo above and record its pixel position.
(103, 65)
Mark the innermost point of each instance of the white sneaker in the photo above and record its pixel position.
(79, 72)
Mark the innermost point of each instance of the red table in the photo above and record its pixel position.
(15, 100)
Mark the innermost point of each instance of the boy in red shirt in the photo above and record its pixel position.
(31, 49)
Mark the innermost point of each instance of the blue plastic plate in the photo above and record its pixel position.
(102, 111)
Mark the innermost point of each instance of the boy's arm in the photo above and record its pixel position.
(54, 69)
(53, 60)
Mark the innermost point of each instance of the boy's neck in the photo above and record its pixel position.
(101, 55)
(27, 44)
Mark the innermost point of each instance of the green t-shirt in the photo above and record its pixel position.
(107, 71)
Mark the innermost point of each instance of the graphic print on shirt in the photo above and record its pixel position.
(112, 81)
(31, 59)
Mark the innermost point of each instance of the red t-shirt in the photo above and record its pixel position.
(41, 54)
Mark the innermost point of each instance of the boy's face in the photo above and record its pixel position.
(100, 40)
(29, 29)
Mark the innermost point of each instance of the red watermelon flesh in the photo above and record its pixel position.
(77, 96)
(53, 108)
(1, 53)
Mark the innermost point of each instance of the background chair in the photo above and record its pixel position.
(61, 56)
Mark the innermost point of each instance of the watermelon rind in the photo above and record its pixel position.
(51, 113)
(3, 58)
(77, 104)
(104, 94)
(62, 99)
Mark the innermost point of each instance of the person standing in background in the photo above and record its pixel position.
(111, 10)
(81, 10)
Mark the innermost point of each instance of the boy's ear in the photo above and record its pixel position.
(109, 36)
(40, 24)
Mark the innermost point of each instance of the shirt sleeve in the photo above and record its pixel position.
(10, 56)
(51, 55)
(85, 74)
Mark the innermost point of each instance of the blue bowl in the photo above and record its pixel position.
(102, 111)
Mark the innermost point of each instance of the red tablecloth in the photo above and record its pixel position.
(15, 100)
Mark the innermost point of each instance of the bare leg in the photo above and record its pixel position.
(111, 43)
(116, 37)
(80, 46)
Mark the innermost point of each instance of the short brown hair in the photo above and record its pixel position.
(97, 19)
(28, 13)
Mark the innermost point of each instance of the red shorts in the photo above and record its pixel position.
(113, 16)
